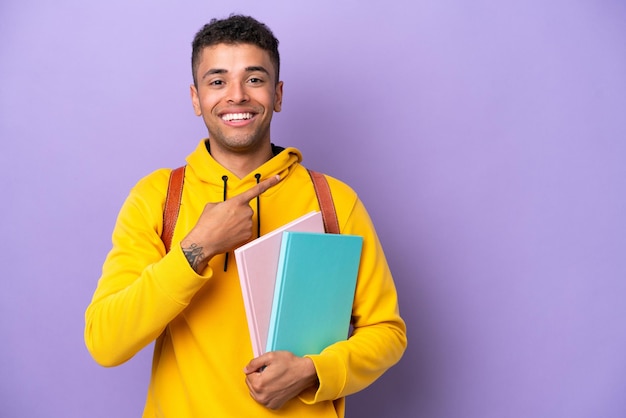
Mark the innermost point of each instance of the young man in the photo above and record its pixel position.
(189, 299)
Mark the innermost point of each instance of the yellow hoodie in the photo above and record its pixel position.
(199, 321)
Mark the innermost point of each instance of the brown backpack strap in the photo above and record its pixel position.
(172, 205)
(325, 199)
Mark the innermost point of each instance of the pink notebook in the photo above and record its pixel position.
(257, 264)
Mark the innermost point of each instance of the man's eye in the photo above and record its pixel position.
(255, 80)
(216, 83)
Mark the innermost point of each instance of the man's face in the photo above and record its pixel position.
(236, 96)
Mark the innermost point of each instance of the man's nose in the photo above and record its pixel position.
(237, 93)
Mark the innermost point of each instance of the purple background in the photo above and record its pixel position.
(487, 139)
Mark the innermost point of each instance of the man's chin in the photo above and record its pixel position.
(239, 145)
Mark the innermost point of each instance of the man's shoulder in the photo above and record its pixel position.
(153, 184)
(340, 188)
(344, 197)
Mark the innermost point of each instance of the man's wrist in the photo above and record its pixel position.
(311, 373)
(194, 254)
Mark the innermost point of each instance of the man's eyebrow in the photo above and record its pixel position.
(255, 68)
(213, 71)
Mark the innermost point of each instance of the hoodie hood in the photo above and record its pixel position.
(212, 172)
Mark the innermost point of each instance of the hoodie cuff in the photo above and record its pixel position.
(331, 374)
(176, 278)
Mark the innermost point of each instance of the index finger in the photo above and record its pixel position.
(258, 189)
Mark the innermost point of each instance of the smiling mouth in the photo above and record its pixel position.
(229, 117)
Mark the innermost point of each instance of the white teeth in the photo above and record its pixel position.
(236, 116)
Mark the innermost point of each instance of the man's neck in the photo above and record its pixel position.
(243, 163)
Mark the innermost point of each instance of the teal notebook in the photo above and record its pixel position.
(314, 291)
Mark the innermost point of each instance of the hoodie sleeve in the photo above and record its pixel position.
(379, 337)
(141, 288)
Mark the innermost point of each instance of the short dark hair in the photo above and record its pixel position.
(236, 29)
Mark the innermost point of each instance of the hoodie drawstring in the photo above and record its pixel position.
(225, 178)
(257, 176)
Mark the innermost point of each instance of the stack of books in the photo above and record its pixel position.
(298, 286)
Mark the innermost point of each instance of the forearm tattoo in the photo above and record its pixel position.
(194, 255)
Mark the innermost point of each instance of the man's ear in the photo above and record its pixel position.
(195, 100)
(278, 97)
